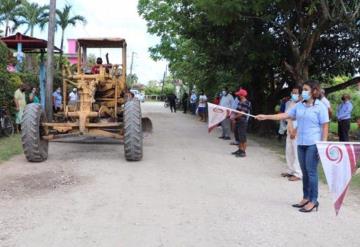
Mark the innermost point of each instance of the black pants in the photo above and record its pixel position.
(185, 106)
(343, 130)
(172, 106)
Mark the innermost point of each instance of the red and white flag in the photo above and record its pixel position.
(217, 114)
(339, 163)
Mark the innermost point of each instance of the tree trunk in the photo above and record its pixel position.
(7, 27)
(61, 48)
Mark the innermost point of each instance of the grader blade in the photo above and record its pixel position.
(147, 126)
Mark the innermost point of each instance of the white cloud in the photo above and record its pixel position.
(114, 18)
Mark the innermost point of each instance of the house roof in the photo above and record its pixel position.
(29, 44)
(102, 42)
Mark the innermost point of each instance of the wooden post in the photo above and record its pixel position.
(50, 61)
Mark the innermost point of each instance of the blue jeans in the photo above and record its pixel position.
(309, 159)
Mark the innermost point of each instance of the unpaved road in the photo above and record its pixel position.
(188, 191)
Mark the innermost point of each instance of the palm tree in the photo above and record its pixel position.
(9, 13)
(64, 20)
(32, 14)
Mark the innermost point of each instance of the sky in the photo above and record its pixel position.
(113, 18)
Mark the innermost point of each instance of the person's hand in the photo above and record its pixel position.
(261, 117)
(293, 134)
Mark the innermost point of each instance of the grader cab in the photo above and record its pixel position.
(104, 108)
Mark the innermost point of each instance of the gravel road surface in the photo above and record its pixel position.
(188, 191)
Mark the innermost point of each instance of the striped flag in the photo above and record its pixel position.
(339, 161)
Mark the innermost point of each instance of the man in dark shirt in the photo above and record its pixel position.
(242, 122)
(172, 101)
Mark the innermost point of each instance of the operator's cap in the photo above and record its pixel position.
(241, 92)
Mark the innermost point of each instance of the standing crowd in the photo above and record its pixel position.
(304, 119)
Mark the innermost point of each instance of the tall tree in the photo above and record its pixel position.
(32, 14)
(9, 13)
(65, 19)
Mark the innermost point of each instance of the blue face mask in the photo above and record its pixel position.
(305, 95)
(294, 97)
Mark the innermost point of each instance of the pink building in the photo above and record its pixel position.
(72, 48)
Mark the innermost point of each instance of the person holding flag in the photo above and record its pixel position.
(313, 126)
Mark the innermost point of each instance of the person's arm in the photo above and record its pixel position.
(325, 131)
(16, 103)
(291, 129)
(276, 117)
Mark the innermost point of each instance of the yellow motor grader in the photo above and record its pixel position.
(105, 107)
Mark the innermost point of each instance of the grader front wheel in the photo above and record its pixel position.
(35, 148)
(133, 139)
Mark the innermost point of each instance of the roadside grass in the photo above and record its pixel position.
(9, 146)
(279, 148)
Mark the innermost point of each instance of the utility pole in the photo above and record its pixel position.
(163, 82)
(50, 61)
(132, 62)
(131, 69)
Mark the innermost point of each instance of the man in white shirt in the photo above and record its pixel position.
(73, 97)
(293, 167)
(326, 102)
(227, 101)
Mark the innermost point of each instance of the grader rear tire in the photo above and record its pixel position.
(35, 148)
(133, 136)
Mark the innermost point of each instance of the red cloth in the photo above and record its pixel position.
(95, 69)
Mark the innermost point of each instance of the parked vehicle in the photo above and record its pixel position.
(6, 125)
(138, 95)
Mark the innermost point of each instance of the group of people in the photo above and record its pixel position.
(21, 100)
(307, 116)
(198, 104)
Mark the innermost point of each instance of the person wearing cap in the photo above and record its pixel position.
(242, 121)
(73, 97)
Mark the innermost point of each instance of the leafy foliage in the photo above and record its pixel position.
(264, 46)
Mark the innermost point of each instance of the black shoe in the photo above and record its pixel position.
(236, 152)
(227, 138)
(303, 210)
(241, 154)
(297, 205)
(221, 137)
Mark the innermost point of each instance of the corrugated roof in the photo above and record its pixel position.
(102, 42)
(28, 43)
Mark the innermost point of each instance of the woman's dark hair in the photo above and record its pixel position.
(313, 84)
(298, 87)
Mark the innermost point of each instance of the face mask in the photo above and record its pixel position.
(305, 95)
(224, 93)
(59, 91)
(294, 97)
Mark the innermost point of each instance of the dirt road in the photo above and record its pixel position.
(188, 191)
